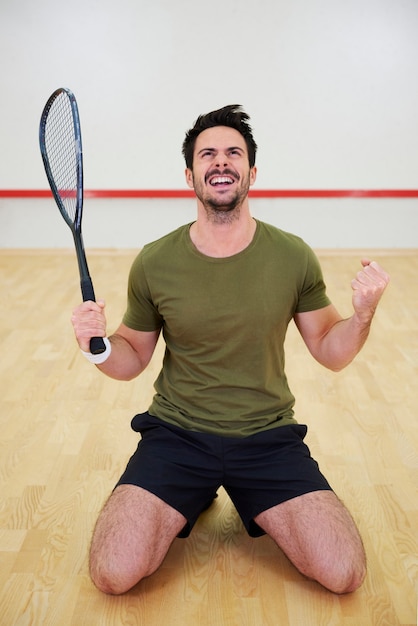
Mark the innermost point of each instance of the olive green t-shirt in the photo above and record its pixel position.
(224, 321)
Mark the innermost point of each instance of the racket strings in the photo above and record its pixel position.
(61, 150)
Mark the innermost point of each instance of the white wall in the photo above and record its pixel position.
(347, 223)
(331, 87)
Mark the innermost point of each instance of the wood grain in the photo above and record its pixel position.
(65, 438)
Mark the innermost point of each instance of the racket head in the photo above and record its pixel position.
(62, 154)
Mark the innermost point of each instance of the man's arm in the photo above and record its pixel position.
(334, 341)
(131, 349)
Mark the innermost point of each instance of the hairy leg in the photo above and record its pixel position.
(319, 536)
(132, 536)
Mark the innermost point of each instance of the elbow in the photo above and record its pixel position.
(121, 375)
(334, 363)
(337, 366)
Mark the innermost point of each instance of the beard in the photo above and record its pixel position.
(221, 210)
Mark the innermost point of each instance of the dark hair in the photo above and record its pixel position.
(232, 116)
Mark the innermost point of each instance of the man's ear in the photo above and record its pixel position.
(253, 175)
(189, 178)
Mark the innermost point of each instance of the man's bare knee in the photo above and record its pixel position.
(345, 577)
(319, 536)
(111, 579)
(132, 536)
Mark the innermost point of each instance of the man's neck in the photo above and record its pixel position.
(223, 239)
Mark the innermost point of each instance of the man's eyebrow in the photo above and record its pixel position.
(207, 150)
(215, 149)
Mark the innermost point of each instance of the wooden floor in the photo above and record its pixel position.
(65, 438)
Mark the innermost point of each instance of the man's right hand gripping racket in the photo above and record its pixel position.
(60, 143)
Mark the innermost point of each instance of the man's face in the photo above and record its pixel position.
(221, 174)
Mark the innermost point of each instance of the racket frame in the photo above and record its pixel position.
(96, 343)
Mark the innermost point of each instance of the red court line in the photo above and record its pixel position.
(188, 193)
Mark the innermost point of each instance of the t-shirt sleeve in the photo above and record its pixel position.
(313, 294)
(141, 313)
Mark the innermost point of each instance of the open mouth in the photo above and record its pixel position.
(221, 180)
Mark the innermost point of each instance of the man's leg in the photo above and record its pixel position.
(132, 536)
(319, 536)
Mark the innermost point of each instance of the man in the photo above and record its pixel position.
(223, 291)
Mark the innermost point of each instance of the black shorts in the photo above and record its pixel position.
(185, 468)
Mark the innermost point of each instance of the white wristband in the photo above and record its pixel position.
(99, 358)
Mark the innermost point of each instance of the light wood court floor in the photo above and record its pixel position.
(65, 438)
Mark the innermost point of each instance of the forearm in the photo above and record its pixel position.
(130, 350)
(335, 341)
(343, 342)
(123, 363)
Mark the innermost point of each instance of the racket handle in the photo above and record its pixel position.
(87, 290)
(97, 345)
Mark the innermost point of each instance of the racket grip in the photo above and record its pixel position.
(97, 345)
(87, 290)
